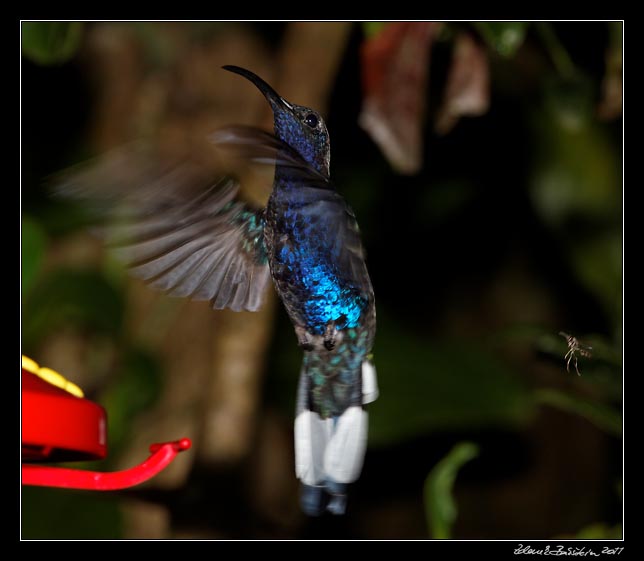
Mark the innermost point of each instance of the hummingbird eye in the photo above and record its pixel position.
(311, 120)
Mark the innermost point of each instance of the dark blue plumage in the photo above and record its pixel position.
(183, 228)
(326, 290)
(317, 264)
(316, 260)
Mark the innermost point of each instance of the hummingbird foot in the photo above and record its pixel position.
(338, 497)
(330, 336)
(304, 339)
(330, 496)
(313, 499)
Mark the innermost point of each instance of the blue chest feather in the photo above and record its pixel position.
(307, 273)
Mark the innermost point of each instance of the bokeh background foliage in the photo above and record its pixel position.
(509, 232)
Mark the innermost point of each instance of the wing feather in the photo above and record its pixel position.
(176, 218)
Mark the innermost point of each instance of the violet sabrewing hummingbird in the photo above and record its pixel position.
(186, 230)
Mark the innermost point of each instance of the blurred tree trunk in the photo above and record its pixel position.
(213, 360)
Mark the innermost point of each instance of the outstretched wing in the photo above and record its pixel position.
(177, 221)
(211, 248)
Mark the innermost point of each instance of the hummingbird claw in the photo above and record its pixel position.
(330, 336)
(338, 497)
(312, 499)
(337, 505)
(304, 339)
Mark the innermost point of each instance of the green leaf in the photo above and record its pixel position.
(575, 187)
(33, 251)
(596, 531)
(602, 416)
(440, 507)
(433, 386)
(600, 531)
(50, 42)
(371, 28)
(570, 101)
(558, 54)
(576, 166)
(72, 298)
(503, 36)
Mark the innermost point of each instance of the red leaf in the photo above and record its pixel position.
(468, 84)
(395, 65)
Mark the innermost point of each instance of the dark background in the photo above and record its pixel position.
(510, 233)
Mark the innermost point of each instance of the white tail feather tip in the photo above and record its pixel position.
(312, 435)
(369, 383)
(345, 451)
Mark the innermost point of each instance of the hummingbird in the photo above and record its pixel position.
(183, 227)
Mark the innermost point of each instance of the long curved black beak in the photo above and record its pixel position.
(276, 100)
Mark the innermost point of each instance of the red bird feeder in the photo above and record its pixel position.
(59, 424)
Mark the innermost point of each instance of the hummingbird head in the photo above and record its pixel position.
(300, 127)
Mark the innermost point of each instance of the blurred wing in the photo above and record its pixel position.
(177, 220)
(317, 198)
(208, 249)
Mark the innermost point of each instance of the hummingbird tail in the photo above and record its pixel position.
(329, 452)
